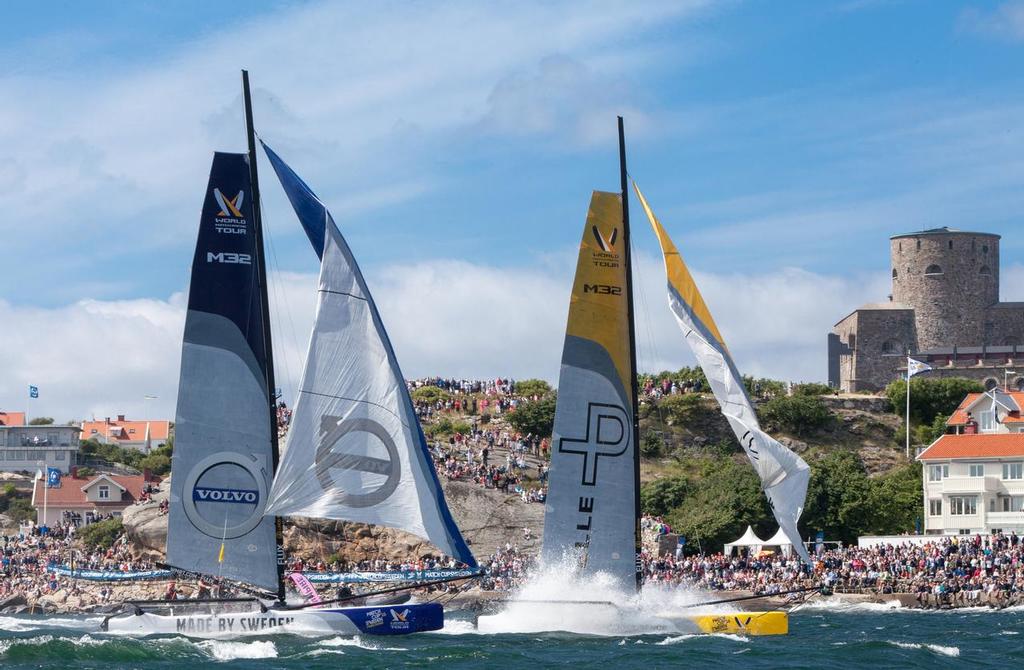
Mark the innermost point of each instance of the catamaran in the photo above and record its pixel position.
(354, 451)
(592, 514)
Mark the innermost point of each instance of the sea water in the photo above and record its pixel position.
(823, 634)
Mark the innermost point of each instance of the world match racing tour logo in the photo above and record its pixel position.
(606, 255)
(229, 220)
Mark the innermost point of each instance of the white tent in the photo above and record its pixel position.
(781, 541)
(750, 541)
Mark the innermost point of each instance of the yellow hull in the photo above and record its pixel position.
(744, 623)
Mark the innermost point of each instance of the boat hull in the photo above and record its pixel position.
(383, 620)
(743, 623)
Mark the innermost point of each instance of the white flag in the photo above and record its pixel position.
(915, 367)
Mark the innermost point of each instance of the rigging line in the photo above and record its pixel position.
(280, 304)
(647, 330)
(368, 402)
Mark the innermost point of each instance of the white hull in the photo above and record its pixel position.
(384, 620)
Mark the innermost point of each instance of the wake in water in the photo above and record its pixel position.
(555, 599)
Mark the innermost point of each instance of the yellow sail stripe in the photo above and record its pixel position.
(679, 275)
(597, 308)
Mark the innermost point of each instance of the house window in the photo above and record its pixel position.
(951, 244)
(131, 430)
(1013, 470)
(892, 347)
(936, 473)
(1012, 503)
(985, 270)
(935, 507)
(933, 269)
(987, 421)
(93, 431)
(59, 455)
(976, 470)
(894, 273)
(104, 492)
(963, 505)
(965, 531)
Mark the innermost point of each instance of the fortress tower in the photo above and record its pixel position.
(944, 309)
(951, 280)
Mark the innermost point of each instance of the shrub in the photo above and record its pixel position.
(680, 409)
(930, 397)
(533, 387)
(535, 416)
(102, 534)
(813, 388)
(664, 495)
(652, 444)
(798, 415)
(429, 394)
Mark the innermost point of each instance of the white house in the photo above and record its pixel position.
(974, 476)
(27, 448)
(80, 500)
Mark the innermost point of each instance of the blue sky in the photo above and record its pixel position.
(457, 143)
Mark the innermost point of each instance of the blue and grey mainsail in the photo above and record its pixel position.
(222, 467)
(355, 450)
(590, 516)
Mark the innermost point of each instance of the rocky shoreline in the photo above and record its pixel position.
(89, 598)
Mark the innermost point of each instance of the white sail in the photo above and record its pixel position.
(784, 475)
(355, 450)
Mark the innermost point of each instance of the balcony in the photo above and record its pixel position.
(954, 485)
(1009, 519)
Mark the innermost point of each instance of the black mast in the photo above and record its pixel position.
(261, 275)
(632, 351)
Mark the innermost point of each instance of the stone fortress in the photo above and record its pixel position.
(944, 310)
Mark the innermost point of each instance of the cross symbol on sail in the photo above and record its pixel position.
(607, 435)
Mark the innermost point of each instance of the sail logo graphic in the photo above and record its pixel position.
(328, 460)
(229, 220)
(606, 435)
(232, 207)
(400, 620)
(202, 494)
(607, 244)
(205, 496)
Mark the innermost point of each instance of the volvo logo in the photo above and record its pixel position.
(239, 508)
(328, 460)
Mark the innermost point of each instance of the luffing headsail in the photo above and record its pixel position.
(589, 517)
(783, 474)
(222, 466)
(355, 450)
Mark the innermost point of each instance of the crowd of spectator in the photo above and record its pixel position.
(495, 459)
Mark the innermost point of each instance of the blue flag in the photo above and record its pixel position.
(33, 391)
(53, 478)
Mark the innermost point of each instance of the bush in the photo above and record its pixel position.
(535, 416)
(41, 421)
(930, 397)
(928, 433)
(681, 409)
(429, 394)
(799, 415)
(158, 464)
(813, 389)
(485, 418)
(533, 387)
(21, 510)
(664, 495)
(102, 534)
(652, 444)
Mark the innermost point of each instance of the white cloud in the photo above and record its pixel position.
(444, 317)
(1005, 21)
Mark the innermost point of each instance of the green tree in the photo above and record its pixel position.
(928, 433)
(534, 416)
(102, 534)
(895, 501)
(839, 497)
(798, 415)
(41, 421)
(727, 498)
(930, 397)
(679, 410)
(158, 464)
(532, 387)
(664, 495)
(429, 394)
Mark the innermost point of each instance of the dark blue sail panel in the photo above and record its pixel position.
(312, 213)
(222, 466)
(353, 407)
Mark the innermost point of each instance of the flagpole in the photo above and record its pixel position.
(908, 409)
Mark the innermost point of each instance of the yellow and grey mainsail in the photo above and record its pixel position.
(590, 515)
(784, 475)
